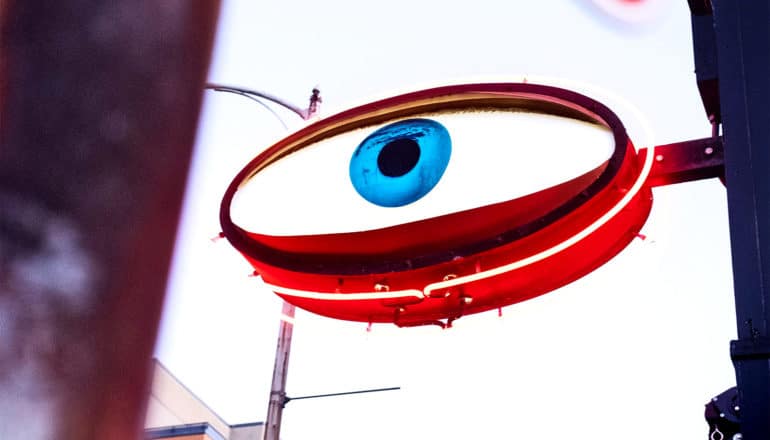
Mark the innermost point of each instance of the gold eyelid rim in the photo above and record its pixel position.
(522, 101)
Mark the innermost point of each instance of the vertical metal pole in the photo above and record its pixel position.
(743, 48)
(280, 371)
(99, 103)
(283, 349)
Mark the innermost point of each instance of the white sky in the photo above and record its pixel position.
(636, 347)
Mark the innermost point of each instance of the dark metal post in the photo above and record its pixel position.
(99, 103)
(743, 48)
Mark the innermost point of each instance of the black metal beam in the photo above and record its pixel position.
(705, 56)
(743, 44)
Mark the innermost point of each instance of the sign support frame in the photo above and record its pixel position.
(743, 48)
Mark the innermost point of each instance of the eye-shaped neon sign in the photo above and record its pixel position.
(406, 251)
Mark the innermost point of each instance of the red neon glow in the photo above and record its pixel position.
(633, 12)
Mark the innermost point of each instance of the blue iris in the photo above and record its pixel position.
(400, 162)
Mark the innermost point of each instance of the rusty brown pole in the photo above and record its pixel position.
(99, 103)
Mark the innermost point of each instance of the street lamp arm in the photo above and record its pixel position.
(304, 114)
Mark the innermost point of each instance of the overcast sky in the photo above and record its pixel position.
(636, 347)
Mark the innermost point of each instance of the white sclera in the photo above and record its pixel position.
(497, 156)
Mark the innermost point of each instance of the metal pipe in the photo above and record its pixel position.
(304, 114)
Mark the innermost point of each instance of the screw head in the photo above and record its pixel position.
(709, 151)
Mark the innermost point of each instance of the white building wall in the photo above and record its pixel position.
(171, 404)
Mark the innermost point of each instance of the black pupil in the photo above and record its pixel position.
(398, 157)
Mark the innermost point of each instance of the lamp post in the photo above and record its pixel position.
(278, 397)
(280, 371)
